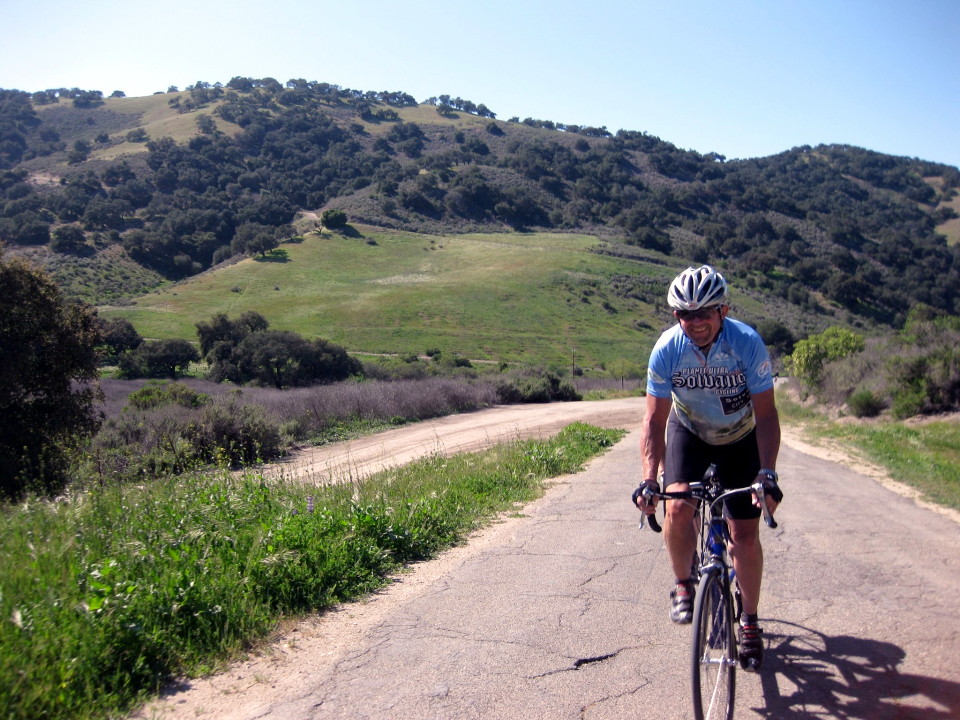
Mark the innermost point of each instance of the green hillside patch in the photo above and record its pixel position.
(501, 296)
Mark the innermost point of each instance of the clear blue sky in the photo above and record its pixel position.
(743, 78)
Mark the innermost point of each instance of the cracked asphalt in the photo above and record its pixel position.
(561, 612)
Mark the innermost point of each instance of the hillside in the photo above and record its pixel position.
(118, 194)
(513, 297)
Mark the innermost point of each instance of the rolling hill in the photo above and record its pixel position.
(552, 236)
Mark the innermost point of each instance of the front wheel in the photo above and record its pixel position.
(714, 656)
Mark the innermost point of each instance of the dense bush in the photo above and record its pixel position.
(535, 385)
(155, 395)
(864, 403)
(176, 431)
(809, 355)
(923, 368)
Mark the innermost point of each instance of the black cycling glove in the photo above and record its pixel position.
(770, 486)
(643, 486)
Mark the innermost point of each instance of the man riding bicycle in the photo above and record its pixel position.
(710, 400)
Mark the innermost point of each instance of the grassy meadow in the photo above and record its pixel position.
(508, 296)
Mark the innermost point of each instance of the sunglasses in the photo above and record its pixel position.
(701, 314)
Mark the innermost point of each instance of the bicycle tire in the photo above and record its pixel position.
(714, 652)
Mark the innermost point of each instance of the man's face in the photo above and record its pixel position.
(702, 326)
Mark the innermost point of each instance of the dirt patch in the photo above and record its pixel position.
(44, 179)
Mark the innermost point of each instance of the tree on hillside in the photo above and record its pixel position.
(776, 335)
(284, 359)
(253, 237)
(67, 239)
(333, 219)
(222, 330)
(159, 359)
(48, 374)
(119, 336)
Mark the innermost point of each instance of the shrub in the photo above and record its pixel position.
(832, 344)
(239, 434)
(864, 403)
(169, 429)
(536, 385)
(156, 395)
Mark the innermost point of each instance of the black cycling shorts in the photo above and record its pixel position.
(688, 457)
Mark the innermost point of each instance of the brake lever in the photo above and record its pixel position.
(761, 496)
(654, 525)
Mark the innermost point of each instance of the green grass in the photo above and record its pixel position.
(926, 457)
(509, 296)
(109, 593)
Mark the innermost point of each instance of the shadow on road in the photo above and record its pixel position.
(810, 675)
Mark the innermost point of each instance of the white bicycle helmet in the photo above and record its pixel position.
(697, 288)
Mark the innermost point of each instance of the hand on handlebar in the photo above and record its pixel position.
(646, 505)
(771, 491)
(767, 495)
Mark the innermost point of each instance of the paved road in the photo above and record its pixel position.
(561, 613)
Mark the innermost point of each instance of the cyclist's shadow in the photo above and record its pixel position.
(808, 675)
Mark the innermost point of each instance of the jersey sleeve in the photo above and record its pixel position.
(659, 383)
(759, 369)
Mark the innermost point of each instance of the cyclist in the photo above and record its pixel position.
(710, 400)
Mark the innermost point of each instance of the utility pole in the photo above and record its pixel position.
(573, 366)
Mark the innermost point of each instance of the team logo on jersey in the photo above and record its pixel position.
(721, 381)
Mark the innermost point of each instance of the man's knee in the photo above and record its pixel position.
(679, 510)
(745, 533)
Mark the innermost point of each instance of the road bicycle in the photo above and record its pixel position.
(718, 605)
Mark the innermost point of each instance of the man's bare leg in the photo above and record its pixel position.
(747, 555)
(680, 536)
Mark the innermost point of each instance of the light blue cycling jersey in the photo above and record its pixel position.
(712, 395)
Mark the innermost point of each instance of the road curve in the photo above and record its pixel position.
(466, 432)
(562, 613)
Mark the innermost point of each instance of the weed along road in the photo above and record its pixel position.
(561, 612)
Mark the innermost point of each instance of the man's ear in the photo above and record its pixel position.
(724, 309)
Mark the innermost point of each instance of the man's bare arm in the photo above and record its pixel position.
(768, 435)
(652, 440)
(768, 428)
